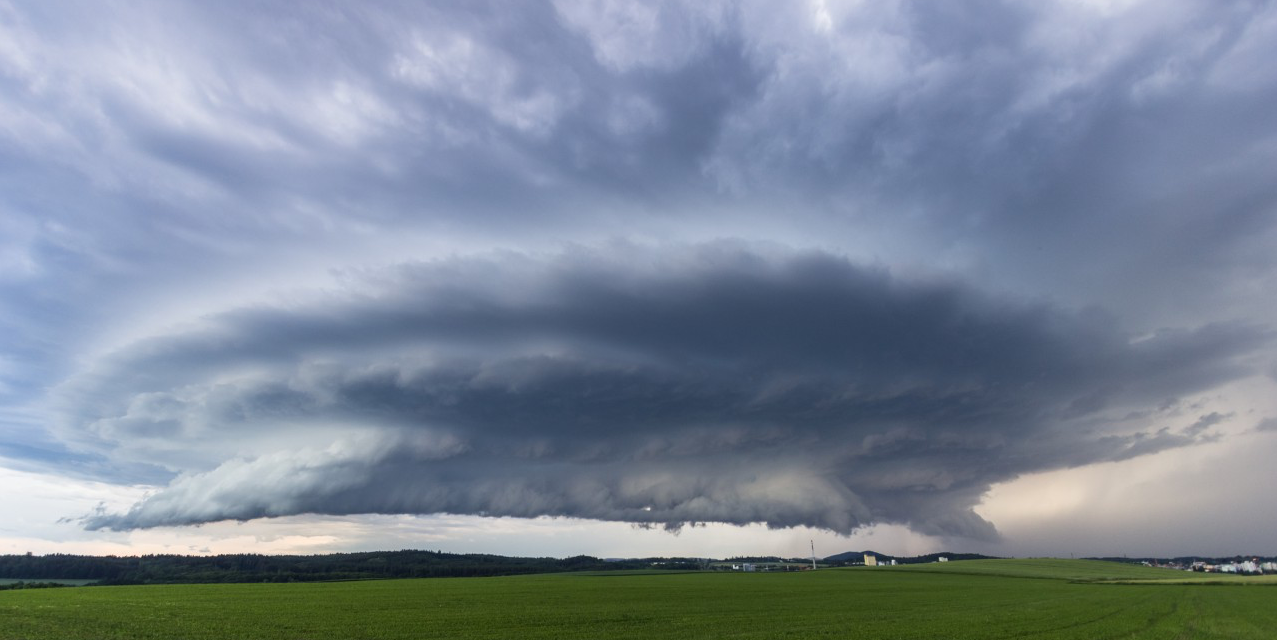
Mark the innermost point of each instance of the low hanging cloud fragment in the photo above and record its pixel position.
(662, 386)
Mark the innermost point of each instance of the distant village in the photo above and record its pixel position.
(1245, 567)
(870, 560)
(1253, 566)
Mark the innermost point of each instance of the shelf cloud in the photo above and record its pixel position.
(720, 382)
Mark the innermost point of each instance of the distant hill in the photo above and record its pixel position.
(858, 557)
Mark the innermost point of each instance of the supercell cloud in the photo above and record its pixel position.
(659, 386)
(818, 263)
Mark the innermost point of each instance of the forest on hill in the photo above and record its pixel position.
(250, 567)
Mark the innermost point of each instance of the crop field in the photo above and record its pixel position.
(1087, 571)
(972, 599)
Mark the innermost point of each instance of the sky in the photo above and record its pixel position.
(630, 279)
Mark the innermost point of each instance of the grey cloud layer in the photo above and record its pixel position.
(718, 383)
(988, 128)
(160, 161)
(1115, 158)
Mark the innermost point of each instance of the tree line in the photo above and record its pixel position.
(251, 567)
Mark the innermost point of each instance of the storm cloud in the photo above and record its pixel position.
(821, 263)
(721, 382)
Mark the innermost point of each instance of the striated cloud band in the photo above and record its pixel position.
(721, 382)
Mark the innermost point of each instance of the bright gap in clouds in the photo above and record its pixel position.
(1169, 504)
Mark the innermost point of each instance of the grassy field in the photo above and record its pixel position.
(1087, 571)
(972, 599)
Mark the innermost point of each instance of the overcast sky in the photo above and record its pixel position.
(678, 278)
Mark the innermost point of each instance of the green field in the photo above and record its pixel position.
(972, 599)
(1086, 571)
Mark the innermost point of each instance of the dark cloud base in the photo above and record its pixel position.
(722, 382)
